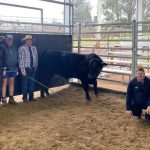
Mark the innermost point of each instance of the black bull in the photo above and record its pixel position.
(70, 65)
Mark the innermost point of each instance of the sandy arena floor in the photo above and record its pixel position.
(69, 123)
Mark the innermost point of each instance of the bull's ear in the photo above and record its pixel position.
(104, 64)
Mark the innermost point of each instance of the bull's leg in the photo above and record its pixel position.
(41, 79)
(42, 93)
(47, 92)
(86, 89)
(44, 81)
(44, 90)
(95, 87)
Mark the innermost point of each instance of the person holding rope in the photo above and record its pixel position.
(138, 95)
(28, 62)
(2, 68)
(12, 69)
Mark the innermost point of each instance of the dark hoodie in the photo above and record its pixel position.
(138, 93)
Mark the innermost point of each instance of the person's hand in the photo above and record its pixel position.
(129, 113)
(4, 72)
(24, 74)
(148, 110)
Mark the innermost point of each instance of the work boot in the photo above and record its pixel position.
(4, 102)
(12, 101)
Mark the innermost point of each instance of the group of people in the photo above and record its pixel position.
(12, 60)
(25, 61)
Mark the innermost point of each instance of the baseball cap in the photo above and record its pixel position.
(9, 37)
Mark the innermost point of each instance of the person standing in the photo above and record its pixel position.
(11, 72)
(138, 95)
(28, 62)
(2, 68)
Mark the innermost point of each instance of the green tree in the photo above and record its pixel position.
(119, 10)
(82, 11)
(128, 9)
(146, 9)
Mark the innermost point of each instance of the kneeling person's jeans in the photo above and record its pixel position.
(28, 84)
(1, 75)
(137, 109)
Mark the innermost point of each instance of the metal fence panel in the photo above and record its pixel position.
(124, 46)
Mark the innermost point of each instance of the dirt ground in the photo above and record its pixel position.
(67, 122)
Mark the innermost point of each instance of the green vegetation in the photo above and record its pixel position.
(82, 11)
(123, 10)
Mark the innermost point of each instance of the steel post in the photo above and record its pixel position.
(134, 47)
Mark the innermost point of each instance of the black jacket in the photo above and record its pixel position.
(2, 56)
(138, 93)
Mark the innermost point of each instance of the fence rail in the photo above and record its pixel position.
(38, 25)
(27, 27)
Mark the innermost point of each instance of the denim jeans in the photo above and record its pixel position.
(1, 83)
(137, 109)
(28, 84)
(11, 72)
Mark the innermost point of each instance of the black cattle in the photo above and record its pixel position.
(70, 65)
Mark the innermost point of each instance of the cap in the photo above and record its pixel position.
(9, 37)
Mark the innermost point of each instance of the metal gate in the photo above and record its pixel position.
(123, 46)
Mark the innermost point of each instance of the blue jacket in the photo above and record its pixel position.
(11, 56)
(138, 93)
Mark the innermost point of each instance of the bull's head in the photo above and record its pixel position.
(92, 66)
(95, 67)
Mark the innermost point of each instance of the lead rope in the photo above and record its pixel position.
(44, 86)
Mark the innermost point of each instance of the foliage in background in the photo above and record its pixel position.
(123, 10)
(146, 9)
(82, 11)
(119, 10)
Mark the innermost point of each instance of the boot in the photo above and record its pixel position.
(12, 101)
(4, 102)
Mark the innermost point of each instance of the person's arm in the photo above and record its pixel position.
(36, 57)
(16, 58)
(4, 59)
(148, 108)
(149, 99)
(129, 97)
(21, 61)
